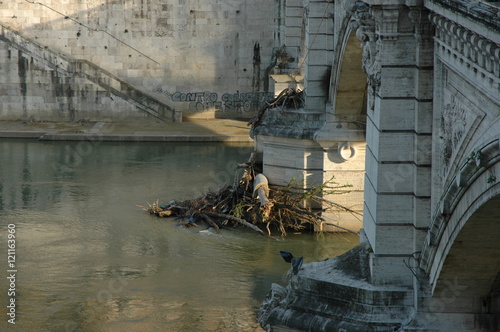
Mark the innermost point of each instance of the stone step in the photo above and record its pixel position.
(464, 322)
(299, 316)
(346, 311)
(77, 72)
(335, 295)
(338, 288)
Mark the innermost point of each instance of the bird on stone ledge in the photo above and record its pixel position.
(296, 262)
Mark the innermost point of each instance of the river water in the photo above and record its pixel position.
(87, 258)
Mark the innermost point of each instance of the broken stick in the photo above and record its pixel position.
(238, 220)
(210, 221)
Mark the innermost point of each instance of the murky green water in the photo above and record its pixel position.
(89, 259)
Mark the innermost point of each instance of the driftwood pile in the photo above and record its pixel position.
(252, 203)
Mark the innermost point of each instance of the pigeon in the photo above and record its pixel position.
(287, 256)
(296, 262)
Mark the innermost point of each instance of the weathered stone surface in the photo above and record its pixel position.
(333, 295)
(52, 87)
(290, 124)
(432, 159)
(161, 47)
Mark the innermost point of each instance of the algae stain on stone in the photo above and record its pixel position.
(22, 69)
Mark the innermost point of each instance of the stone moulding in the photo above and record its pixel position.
(342, 129)
(297, 124)
(478, 59)
(482, 11)
(476, 55)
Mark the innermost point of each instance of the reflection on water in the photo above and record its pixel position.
(89, 259)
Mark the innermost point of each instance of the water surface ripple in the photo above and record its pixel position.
(89, 259)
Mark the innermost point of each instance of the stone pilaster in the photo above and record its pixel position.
(286, 138)
(318, 53)
(344, 166)
(289, 38)
(398, 60)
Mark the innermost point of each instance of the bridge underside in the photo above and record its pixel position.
(467, 293)
(338, 295)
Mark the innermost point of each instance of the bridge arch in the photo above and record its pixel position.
(461, 255)
(348, 81)
(472, 262)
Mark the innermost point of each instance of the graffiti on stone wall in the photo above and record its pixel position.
(227, 102)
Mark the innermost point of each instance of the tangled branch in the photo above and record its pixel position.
(253, 204)
(288, 98)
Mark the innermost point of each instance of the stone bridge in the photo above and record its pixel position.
(419, 82)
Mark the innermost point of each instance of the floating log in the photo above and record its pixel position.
(165, 213)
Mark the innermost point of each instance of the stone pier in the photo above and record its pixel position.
(324, 138)
(429, 253)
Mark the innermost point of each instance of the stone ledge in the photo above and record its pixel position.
(52, 136)
(336, 294)
(484, 12)
(292, 124)
(145, 138)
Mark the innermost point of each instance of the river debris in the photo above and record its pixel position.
(255, 204)
(288, 98)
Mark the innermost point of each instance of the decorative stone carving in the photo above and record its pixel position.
(475, 51)
(363, 23)
(453, 124)
(372, 69)
(346, 151)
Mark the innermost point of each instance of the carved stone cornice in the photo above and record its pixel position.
(486, 13)
(387, 21)
(476, 54)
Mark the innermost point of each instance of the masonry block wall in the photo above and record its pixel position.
(318, 53)
(38, 84)
(289, 46)
(306, 143)
(293, 29)
(194, 55)
(399, 128)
